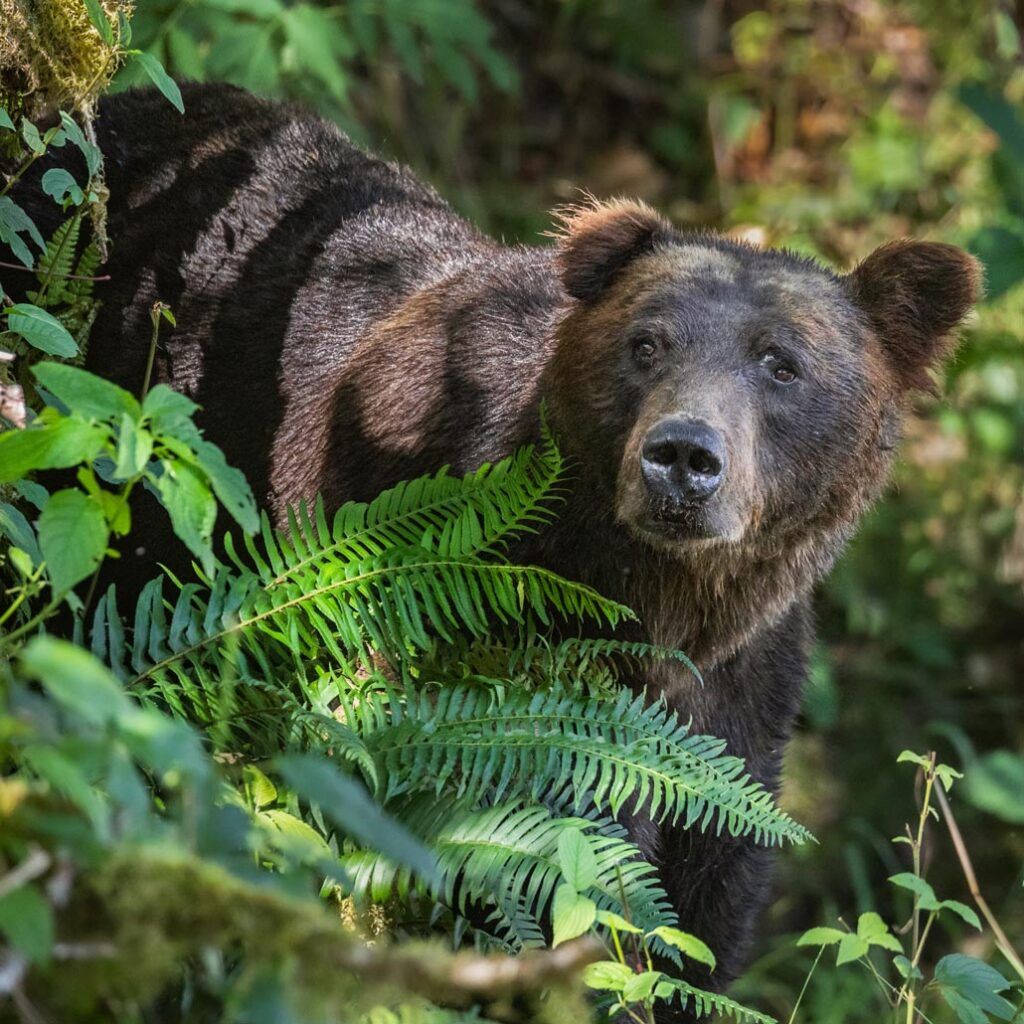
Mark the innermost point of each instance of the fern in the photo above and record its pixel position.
(704, 1004)
(605, 753)
(56, 263)
(504, 858)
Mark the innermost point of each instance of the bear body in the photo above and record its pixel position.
(728, 413)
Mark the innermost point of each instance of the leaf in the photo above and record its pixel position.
(134, 447)
(821, 937)
(261, 791)
(13, 221)
(994, 783)
(607, 976)
(571, 914)
(875, 932)
(190, 504)
(609, 919)
(72, 538)
(640, 987)
(851, 947)
(300, 835)
(91, 152)
(167, 408)
(59, 183)
(30, 133)
(5, 120)
(16, 528)
(926, 898)
(85, 394)
(976, 982)
(99, 20)
(962, 911)
(27, 921)
(230, 486)
(688, 945)
(576, 859)
(348, 805)
(919, 759)
(906, 968)
(947, 775)
(40, 329)
(76, 679)
(160, 78)
(51, 445)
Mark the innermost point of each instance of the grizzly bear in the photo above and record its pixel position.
(729, 413)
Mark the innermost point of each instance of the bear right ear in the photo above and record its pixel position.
(598, 240)
(916, 295)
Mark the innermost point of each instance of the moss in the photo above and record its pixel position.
(52, 57)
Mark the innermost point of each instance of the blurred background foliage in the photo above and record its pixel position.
(824, 125)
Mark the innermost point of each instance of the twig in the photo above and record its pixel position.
(34, 865)
(964, 857)
(66, 277)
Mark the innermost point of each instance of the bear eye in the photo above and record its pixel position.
(645, 348)
(781, 369)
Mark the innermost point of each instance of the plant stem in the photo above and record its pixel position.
(807, 981)
(154, 315)
(1005, 946)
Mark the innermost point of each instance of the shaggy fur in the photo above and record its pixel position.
(343, 329)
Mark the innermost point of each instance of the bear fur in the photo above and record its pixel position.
(343, 329)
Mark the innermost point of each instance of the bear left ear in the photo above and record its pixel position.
(598, 240)
(916, 294)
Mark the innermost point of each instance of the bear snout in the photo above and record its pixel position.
(683, 462)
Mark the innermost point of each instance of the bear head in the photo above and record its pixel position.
(740, 406)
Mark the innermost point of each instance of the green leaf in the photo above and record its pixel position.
(947, 775)
(919, 759)
(977, 982)
(571, 914)
(906, 968)
(349, 806)
(184, 493)
(56, 444)
(576, 859)
(27, 921)
(640, 987)
(30, 133)
(5, 120)
(851, 947)
(85, 394)
(821, 937)
(965, 1010)
(301, 837)
(875, 932)
(134, 447)
(59, 183)
(609, 919)
(926, 898)
(13, 221)
(91, 152)
(962, 911)
(99, 21)
(260, 790)
(72, 537)
(168, 409)
(688, 945)
(229, 484)
(607, 976)
(160, 78)
(995, 782)
(40, 329)
(76, 679)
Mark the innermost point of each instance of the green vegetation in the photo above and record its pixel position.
(361, 727)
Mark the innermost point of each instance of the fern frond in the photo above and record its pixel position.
(456, 517)
(704, 1004)
(56, 261)
(608, 753)
(505, 858)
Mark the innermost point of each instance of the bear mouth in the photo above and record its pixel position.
(680, 524)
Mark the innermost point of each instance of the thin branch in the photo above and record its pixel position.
(1005, 947)
(66, 277)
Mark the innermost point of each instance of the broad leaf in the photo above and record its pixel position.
(571, 914)
(72, 538)
(41, 330)
(576, 859)
(85, 394)
(160, 78)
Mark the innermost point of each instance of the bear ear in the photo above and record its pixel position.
(597, 240)
(916, 295)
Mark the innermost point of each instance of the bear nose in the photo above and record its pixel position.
(683, 461)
